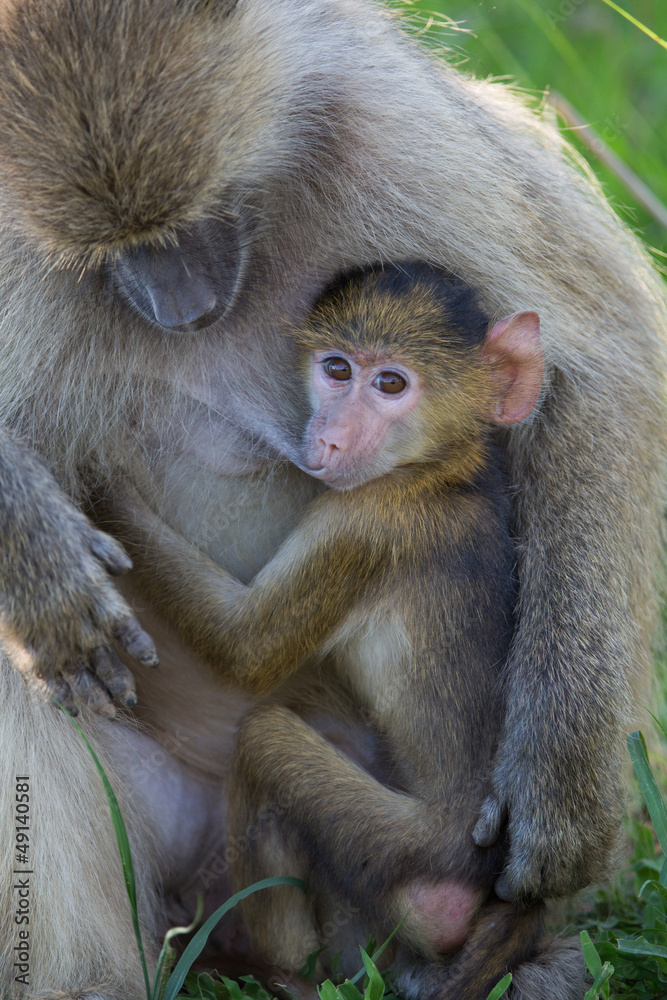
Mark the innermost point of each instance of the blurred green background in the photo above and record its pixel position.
(613, 74)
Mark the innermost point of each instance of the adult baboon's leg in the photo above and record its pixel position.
(80, 936)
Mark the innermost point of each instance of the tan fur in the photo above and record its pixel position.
(85, 936)
(344, 143)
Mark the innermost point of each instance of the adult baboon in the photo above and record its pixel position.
(177, 177)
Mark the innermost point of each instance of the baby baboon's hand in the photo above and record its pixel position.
(60, 614)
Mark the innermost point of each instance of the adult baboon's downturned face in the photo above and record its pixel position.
(188, 285)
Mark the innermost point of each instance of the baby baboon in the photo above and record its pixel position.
(397, 586)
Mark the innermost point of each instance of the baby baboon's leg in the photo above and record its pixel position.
(300, 807)
(281, 919)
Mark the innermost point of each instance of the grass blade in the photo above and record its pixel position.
(591, 957)
(376, 954)
(327, 991)
(596, 990)
(196, 946)
(348, 991)
(123, 847)
(500, 988)
(640, 946)
(637, 24)
(649, 788)
(375, 987)
(168, 952)
(235, 991)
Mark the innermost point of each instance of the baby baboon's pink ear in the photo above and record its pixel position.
(513, 348)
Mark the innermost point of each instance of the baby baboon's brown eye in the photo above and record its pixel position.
(338, 368)
(390, 382)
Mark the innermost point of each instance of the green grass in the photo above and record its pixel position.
(606, 67)
(628, 918)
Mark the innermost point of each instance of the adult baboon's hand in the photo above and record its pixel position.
(61, 616)
(560, 833)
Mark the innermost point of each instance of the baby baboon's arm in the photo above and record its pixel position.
(262, 632)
